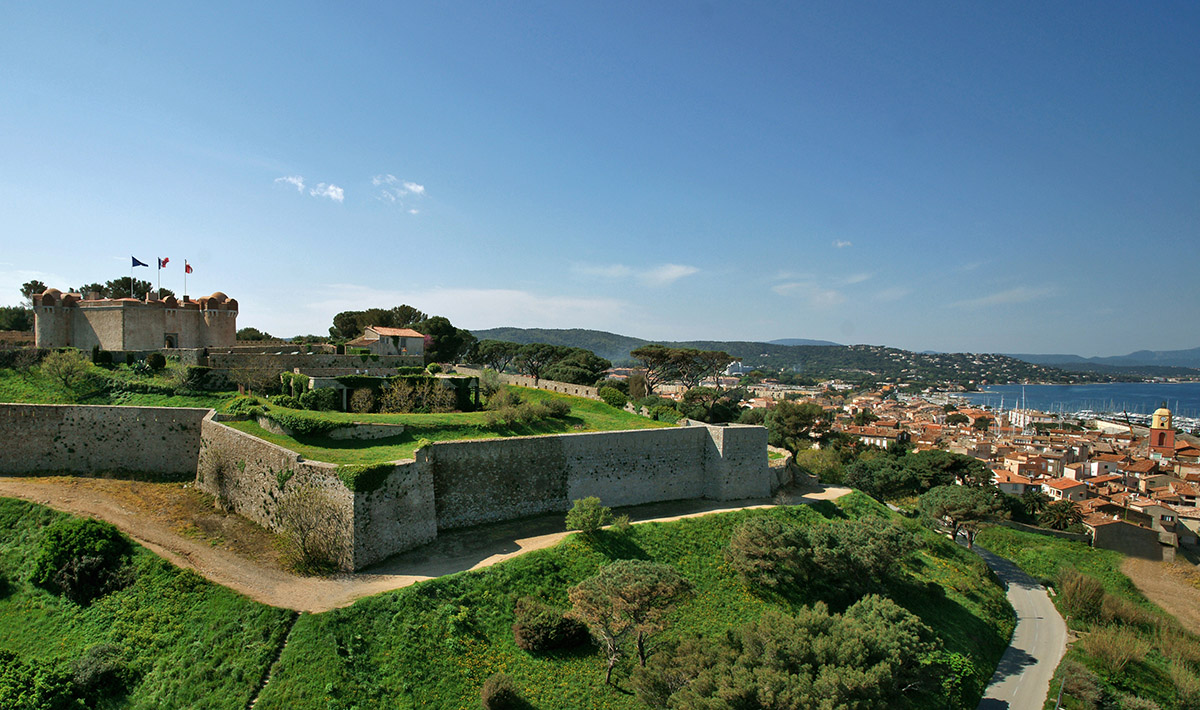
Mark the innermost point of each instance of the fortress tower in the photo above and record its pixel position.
(1162, 434)
(68, 320)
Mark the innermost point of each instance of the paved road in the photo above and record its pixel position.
(1022, 680)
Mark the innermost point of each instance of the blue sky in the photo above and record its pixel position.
(1012, 177)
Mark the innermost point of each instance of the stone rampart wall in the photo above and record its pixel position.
(397, 516)
(306, 362)
(526, 381)
(147, 442)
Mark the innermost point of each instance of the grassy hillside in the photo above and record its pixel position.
(188, 643)
(101, 386)
(586, 415)
(434, 644)
(1128, 646)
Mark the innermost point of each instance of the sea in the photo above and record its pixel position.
(1182, 398)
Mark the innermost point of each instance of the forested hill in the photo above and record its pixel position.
(849, 362)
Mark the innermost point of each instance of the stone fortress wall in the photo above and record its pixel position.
(449, 484)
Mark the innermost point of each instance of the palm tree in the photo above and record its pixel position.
(1061, 515)
(1035, 501)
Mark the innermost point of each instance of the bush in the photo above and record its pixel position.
(103, 358)
(503, 398)
(1082, 595)
(557, 408)
(433, 368)
(1122, 611)
(322, 399)
(286, 400)
(500, 693)
(613, 397)
(1114, 647)
(82, 559)
(34, 685)
(664, 413)
(156, 361)
(304, 424)
(244, 406)
(540, 627)
(588, 516)
(489, 382)
(1082, 684)
(362, 400)
(101, 672)
(764, 551)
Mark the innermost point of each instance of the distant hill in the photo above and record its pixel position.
(1140, 359)
(859, 363)
(800, 341)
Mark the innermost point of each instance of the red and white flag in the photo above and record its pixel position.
(187, 268)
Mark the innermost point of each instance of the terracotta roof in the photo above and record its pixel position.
(1062, 484)
(403, 332)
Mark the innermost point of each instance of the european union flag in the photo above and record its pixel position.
(137, 263)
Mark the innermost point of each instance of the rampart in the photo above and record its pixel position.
(152, 442)
(542, 384)
(398, 506)
(307, 361)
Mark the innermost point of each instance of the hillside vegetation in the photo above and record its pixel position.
(435, 644)
(1128, 647)
(166, 638)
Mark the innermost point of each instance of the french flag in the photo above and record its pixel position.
(163, 262)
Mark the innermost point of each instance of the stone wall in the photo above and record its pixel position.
(397, 516)
(146, 442)
(306, 362)
(253, 477)
(527, 381)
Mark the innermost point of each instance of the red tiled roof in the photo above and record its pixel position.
(403, 332)
(1062, 484)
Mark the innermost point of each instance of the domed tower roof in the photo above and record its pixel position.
(1161, 419)
(219, 297)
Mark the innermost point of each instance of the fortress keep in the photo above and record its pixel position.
(70, 320)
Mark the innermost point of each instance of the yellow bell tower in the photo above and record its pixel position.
(1162, 434)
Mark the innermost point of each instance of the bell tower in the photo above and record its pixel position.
(1162, 434)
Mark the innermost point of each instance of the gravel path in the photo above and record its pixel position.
(144, 512)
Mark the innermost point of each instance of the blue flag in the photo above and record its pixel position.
(137, 263)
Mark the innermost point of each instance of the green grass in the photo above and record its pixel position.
(433, 644)
(1042, 556)
(586, 415)
(192, 644)
(32, 387)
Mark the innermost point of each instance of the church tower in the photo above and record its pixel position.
(1162, 434)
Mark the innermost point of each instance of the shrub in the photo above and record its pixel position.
(156, 361)
(433, 368)
(286, 400)
(664, 413)
(362, 400)
(322, 399)
(1082, 595)
(500, 693)
(103, 358)
(1132, 702)
(540, 627)
(531, 412)
(82, 559)
(1082, 684)
(101, 672)
(489, 382)
(304, 424)
(1114, 647)
(557, 408)
(314, 528)
(503, 398)
(764, 551)
(613, 397)
(34, 685)
(1122, 611)
(588, 516)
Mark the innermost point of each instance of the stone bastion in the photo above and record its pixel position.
(384, 509)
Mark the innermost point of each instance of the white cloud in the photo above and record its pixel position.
(663, 275)
(1019, 294)
(296, 180)
(331, 191)
(393, 189)
(816, 295)
(414, 211)
(667, 274)
(842, 244)
(857, 278)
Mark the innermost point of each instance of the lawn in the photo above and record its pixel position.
(586, 415)
(1154, 640)
(434, 644)
(102, 386)
(190, 643)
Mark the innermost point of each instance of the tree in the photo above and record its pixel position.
(98, 288)
(249, 333)
(578, 366)
(637, 386)
(881, 478)
(1034, 501)
(962, 508)
(765, 552)
(496, 354)
(29, 289)
(792, 425)
(981, 423)
(314, 528)
(941, 468)
(534, 358)
(443, 342)
(1061, 515)
(863, 417)
(712, 405)
(67, 367)
(692, 366)
(627, 597)
(16, 318)
(659, 364)
(947, 408)
(957, 419)
(119, 288)
(81, 558)
(348, 325)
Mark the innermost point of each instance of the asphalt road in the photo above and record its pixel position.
(1022, 680)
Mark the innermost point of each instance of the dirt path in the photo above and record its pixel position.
(179, 524)
(1169, 585)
